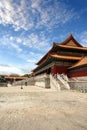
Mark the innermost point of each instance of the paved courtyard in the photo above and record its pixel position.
(34, 108)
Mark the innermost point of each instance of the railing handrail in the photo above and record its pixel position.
(63, 81)
(54, 81)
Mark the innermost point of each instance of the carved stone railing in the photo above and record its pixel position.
(63, 81)
(64, 77)
(54, 84)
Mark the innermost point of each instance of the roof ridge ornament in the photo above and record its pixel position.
(70, 34)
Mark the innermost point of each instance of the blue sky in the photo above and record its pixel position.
(28, 29)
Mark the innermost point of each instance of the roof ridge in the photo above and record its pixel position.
(70, 37)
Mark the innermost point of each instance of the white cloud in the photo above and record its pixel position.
(36, 41)
(29, 14)
(33, 57)
(7, 69)
(83, 38)
(10, 42)
(54, 15)
(31, 60)
(15, 46)
(15, 14)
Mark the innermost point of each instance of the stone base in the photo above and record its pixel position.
(42, 81)
(79, 85)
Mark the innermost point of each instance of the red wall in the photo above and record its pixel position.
(78, 73)
(63, 69)
(59, 69)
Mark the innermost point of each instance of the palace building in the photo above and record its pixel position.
(68, 57)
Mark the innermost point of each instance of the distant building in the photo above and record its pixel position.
(13, 78)
(68, 57)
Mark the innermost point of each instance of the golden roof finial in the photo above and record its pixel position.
(70, 34)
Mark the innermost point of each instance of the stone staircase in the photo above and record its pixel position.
(54, 84)
(63, 81)
(59, 81)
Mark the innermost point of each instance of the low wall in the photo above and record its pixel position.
(28, 81)
(42, 81)
(78, 85)
(3, 85)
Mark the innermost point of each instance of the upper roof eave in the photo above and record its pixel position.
(65, 57)
(54, 44)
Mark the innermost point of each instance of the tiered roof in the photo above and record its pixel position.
(70, 43)
(65, 45)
